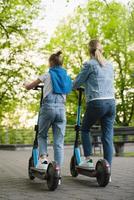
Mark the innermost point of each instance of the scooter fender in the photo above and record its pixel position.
(56, 168)
(105, 165)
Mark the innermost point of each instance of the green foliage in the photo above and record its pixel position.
(26, 136)
(18, 41)
(16, 136)
(113, 24)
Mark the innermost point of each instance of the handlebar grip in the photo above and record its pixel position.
(81, 89)
(38, 87)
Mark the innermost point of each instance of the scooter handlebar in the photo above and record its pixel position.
(38, 87)
(81, 89)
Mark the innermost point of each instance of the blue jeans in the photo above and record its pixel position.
(103, 110)
(52, 114)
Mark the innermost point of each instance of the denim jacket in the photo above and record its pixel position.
(97, 80)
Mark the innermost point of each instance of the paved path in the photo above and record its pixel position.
(15, 185)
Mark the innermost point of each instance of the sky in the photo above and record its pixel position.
(53, 11)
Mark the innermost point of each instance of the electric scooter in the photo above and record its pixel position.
(102, 169)
(52, 174)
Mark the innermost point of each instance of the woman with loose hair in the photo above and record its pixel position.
(97, 76)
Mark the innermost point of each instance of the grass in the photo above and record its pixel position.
(129, 154)
(125, 154)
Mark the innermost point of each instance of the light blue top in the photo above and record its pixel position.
(98, 80)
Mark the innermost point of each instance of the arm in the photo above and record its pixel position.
(32, 85)
(82, 76)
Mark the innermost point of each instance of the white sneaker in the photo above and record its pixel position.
(87, 163)
(59, 183)
(43, 163)
(110, 180)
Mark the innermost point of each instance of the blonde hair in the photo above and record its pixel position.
(96, 52)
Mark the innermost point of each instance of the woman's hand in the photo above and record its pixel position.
(32, 85)
(26, 85)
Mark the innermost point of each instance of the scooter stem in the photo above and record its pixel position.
(78, 120)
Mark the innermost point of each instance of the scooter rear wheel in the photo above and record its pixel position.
(53, 177)
(30, 164)
(103, 172)
(73, 164)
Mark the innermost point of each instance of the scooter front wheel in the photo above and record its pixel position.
(30, 164)
(73, 164)
(103, 172)
(53, 176)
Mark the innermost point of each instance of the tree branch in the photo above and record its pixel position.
(3, 27)
(106, 3)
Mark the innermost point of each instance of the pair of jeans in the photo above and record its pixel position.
(104, 111)
(52, 114)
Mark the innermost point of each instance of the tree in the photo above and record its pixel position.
(18, 41)
(113, 24)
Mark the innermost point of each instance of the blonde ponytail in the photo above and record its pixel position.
(99, 57)
(96, 52)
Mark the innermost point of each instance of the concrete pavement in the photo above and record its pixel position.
(15, 185)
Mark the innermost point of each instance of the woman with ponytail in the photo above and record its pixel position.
(57, 84)
(97, 76)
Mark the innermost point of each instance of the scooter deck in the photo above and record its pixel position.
(86, 171)
(39, 173)
(86, 168)
(38, 170)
